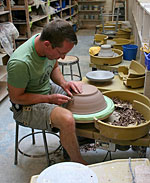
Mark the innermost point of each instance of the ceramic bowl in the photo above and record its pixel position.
(89, 101)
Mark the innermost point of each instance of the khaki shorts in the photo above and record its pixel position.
(37, 116)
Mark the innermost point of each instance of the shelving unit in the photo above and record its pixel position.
(67, 10)
(141, 26)
(123, 5)
(89, 12)
(5, 16)
(30, 19)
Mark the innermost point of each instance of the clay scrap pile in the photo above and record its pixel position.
(125, 114)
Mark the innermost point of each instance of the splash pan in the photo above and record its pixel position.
(141, 104)
(105, 60)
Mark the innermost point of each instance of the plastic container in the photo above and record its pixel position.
(63, 4)
(72, 11)
(147, 60)
(129, 52)
(75, 27)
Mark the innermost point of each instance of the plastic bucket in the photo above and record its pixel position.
(129, 52)
(63, 4)
(72, 11)
(75, 27)
(147, 60)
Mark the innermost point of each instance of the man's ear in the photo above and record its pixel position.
(47, 43)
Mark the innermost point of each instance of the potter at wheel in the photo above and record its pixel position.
(89, 104)
(106, 51)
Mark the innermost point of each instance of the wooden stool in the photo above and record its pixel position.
(70, 60)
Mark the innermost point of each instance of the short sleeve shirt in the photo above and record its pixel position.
(27, 70)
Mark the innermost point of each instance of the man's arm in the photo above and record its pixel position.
(18, 96)
(58, 78)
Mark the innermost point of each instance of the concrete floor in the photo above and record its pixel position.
(27, 167)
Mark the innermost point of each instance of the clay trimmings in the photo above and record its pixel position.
(99, 115)
(125, 114)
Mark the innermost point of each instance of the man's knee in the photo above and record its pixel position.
(62, 118)
(68, 121)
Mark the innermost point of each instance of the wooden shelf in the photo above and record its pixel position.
(17, 8)
(37, 18)
(21, 7)
(67, 7)
(5, 16)
(90, 20)
(53, 1)
(4, 12)
(89, 12)
(3, 83)
(30, 11)
(2, 55)
(3, 90)
(3, 73)
(92, 1)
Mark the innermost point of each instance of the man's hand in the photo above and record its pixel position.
(58, 99)
(74, 86)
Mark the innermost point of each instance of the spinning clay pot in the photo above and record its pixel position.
(89, 101)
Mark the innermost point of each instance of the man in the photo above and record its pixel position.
(36, 102)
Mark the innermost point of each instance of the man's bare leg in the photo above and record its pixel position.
(62, 118)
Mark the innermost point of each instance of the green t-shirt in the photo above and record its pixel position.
(27, 70)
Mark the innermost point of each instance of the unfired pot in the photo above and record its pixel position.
(89, 101)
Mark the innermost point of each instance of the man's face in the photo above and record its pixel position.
(59, 52)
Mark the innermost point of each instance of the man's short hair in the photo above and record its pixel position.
(57, 31)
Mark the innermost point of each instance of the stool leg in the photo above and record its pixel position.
(46, 148)
(79, 71)
(71, 72)
(33, 137)
(16, 144)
